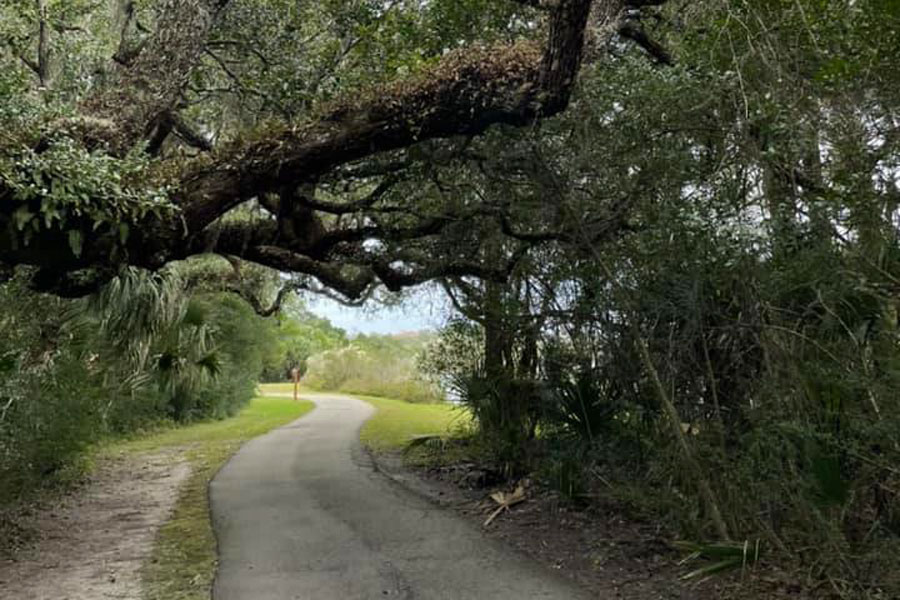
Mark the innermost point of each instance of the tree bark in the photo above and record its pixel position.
(43, 64)
(146, 88)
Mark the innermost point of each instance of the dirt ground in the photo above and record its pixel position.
(90, 544)
(612, 556)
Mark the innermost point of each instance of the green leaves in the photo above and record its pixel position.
(21, 217)
(76, 242)
(68, 188)
(726, 556)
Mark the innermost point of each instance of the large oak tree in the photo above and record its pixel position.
(147, 204)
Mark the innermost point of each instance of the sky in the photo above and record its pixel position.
(421, 309)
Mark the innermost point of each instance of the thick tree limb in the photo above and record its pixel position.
(257, 306)
(43, 62)
(634, 32)
(538, 4)
(643, 3)
(30, 64)
(41, 66)
(149, 86)
(464, 94)
(189, 134)
(364, 203)
(350, 280)
(126, 22)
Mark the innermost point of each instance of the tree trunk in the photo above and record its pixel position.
(494, 350)
(141, 92)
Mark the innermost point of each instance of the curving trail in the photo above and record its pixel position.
(300, 514)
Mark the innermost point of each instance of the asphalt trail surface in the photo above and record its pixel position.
(300, 514)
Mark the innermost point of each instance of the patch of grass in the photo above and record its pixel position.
(278, 388)
(184, 556)
(397, 422)
(405, 390)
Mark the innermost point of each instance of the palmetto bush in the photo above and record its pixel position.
(142, 351)
(506, 413)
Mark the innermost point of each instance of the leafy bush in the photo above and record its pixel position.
(506, 413)
(376, 366)
(144, 351)
(300, 335)
(47, 427)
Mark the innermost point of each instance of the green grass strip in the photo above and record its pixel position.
(183, 563)
(398, 422)
(277, 388)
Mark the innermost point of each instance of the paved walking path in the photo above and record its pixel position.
(300, 514)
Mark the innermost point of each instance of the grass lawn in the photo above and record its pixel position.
(397, 422)
(278, 388)
(184, 556)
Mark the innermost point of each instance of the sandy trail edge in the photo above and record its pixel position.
(90, 545)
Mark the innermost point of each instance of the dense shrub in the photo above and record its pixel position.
(713, 325)
(299, 335)
(142, 353)
(375, 366)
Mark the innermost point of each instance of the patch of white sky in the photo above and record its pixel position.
(420, 309)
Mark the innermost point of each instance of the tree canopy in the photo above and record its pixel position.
(269, 131)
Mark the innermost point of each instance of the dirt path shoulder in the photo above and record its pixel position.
(90, 544)
(606, 554)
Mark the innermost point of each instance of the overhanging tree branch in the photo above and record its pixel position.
(464, 94)
(149, 85)
(633, 31)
